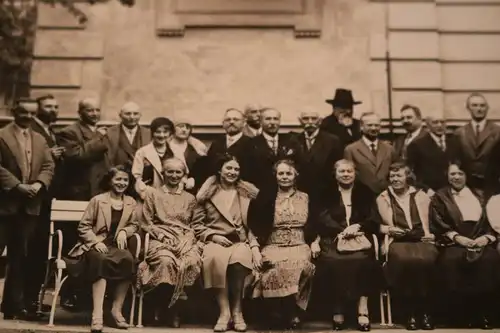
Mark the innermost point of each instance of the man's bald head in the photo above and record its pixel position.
(130, 114)
(89, 110)
(310, 121)
(233, 121)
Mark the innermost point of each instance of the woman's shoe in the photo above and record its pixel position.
(96, 326)
(120, 321)
(239, 324)
(364, 323)
(295, 323)
(222, 324)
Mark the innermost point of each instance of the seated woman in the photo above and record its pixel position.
(350, 213)
(101, 253)
(229, 245)
(190, 150)
(468, 265)
(404, 213)
(173, 258)
(279, 220)
(147, 166)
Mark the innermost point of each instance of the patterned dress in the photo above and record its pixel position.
(173, 256)
(291, 269)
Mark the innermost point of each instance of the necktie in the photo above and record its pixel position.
(478, 131)
(373, 149)
(274, 146)
(309, 142)
(442, 144)
(230, 141)
(27, 153)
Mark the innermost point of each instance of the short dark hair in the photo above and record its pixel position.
(105, 183)
(474, 94)
(160, 122)
(222, 159)
(22, 100)
(400, 165)
(42, 98)
(415, 109)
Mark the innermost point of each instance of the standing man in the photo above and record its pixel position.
(411, 118)
(127, 137)
(371, 156)
(476, 141)
(341, 122)
(252, 127)
(316, 153)
(26, 170)
(430, 155)
(266, 149)
(234, 142)
(42, 123)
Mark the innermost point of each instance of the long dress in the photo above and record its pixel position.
(291, 271)
(347, 276)
(116, 264)
(174, 260)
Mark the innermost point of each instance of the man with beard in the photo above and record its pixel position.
(127, 137)
(430, 155)
(234, 143)
(475, 143)
(316, 153)
(252, 127)
(42, 123)
(341, 122)
(26, 170)
(266, 149)
(371, 156)
(411, 118)
(84, 166)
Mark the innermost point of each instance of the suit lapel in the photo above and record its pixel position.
(128, 208)
(152, 156)
(261, 145)
(364, 150)
(105, 209)
(317, 148)
(381, 154)
(11, 141)
(470, 137)
(485, 139)
(244, 204)
(38, 151)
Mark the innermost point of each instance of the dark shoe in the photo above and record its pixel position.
(427, 324)
(485, 324)
(364, 327)
(337, 326)
(175, 321)
(411, 325)
(20, 315)
(295, 323)
(70, 303)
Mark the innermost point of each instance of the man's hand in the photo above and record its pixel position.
(429, 238)
(25, 189)
(395, 232)
(57, 152)
(315, 249)
(101, 248)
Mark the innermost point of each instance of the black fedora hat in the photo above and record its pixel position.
(343, 98)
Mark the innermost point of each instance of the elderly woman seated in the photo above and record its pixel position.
(468, 265)
(404, 212)
(230, 250)
(280, 221)
(173, 259)
(348, 219)
(101, 253)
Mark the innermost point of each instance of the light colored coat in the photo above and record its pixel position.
(96, 222)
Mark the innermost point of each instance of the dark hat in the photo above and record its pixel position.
(343, 98)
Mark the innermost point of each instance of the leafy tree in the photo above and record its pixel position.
(17, 33)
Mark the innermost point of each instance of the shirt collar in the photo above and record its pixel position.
(235, 137)
(462, 192)
(438, 139)
(269, 137)
(411, 190)
(415, 133)
(312, 136)
(130, 130)
(481, 124)
(368, 142)
(176, 192)
(19, 129)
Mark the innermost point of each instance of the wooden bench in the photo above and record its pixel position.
(68, 212)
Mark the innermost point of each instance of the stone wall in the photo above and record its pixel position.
(209, 55)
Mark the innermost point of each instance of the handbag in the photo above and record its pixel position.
(352, 244)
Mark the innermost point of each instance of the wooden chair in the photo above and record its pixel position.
(67, 212)
(385, 296)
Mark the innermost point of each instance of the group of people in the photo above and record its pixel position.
(258, 213)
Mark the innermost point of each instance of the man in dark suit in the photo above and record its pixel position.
(127, 137)
(234, 142)
(26, 170)
(476, 141)
(430, 155)
(341, 122)
(371, 156)
(316, 153)
(46, 116)
(266, 149)
(411, 118)
(85, 149)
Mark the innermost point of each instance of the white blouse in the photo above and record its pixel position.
(346, 200)
(468, 204)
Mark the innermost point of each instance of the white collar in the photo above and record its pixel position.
(235, 137)
(438, 138)
(368, 142)
(481, 124)
(415, 133)
(312, 136)
(411, 190)
(269, 137)
(130, 130)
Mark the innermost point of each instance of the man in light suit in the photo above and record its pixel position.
(26, 170)
(127, 137)
(476, 142)
(252, 126)
(371, 156)
(411, 119)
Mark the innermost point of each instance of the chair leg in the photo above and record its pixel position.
(389, 309)
(141, 303)
(56, 295)
(132, 307)
(43, 289)
(382, 310)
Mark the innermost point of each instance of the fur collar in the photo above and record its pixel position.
(211, 186)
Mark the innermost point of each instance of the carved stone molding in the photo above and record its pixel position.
(304, 16)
